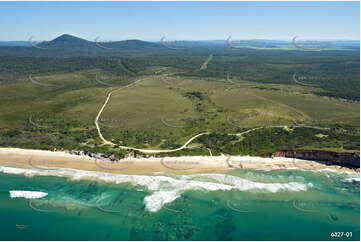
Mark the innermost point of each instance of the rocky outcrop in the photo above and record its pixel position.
(103, 156)
(349, 160)
(92, 155)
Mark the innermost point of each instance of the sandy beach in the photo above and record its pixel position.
(42, 159)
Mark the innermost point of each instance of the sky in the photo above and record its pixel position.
(180, 20)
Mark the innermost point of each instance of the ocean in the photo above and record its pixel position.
(67, 204)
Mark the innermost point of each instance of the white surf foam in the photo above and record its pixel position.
(347, 176)
(27, 194)
(352, 179)
(341, 172)
(167, 188)
(155, 202)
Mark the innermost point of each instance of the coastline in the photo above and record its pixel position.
(44, 159)
(344, 159)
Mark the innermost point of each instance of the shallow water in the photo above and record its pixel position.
(238, 205)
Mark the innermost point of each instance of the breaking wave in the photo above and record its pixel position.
(27, 194)
(165, 188)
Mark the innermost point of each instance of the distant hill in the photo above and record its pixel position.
(67, 46)
(67, 41)
(71, 46)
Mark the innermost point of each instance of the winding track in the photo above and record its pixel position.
(206, 62)
(129, 147)
(160, 151)
(41, 84)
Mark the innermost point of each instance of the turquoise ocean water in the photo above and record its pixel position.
(237, 205)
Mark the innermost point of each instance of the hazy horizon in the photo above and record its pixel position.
(211, 39)
(150, 21)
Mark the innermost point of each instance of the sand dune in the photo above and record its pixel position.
(42, 159)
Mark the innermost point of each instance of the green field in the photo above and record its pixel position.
(161, 111)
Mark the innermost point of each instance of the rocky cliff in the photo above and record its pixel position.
(350, 160)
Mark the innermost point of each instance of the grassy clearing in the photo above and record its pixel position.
(163, 110)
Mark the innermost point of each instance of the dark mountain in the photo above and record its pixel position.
(67, 41)
(68, 46)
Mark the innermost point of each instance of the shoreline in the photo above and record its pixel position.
(344, 159)
(48, 160)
